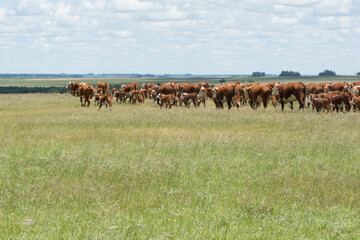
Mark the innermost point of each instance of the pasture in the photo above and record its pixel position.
(138, 172)
(62, 82)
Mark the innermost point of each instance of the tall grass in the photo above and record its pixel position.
(139, 172)
(62, 82)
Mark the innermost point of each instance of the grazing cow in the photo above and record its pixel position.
(97, 98)
(105, 86)
(321, 103)
(147, 87)
(130, 87)
(223, 93)
(120, 96)
(290, 92)
(342, 87)
(274, 99)
(187, 98)
(188, 88)
(233, 83)
(341, 100)
(74, 88)
(114, 90)
(356, 103)
(204, 84)
(137, 95)
(168, 99)
(99, 90)
(313, 88)
(164, 89)
(354, 89)
(259, 94)
(86, 91)
(106, 100)
(206, 93)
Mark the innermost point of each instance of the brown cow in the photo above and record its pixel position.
(137, 95)
(341, 100)
(168, 99)
(356, 103)
(107, 100)
(274, 99)
(74, 88)
(322, 103)
(313, 88)
(342, 87)
(187, 98)
(99, 90)
(354, 89)
(206, 93)
(233, 83)
(146, 88)
(130, 87)
(97, 98)
(120, 96)
(290, 92)
(114, 90)
(164, 89)
(105, 86)
(86, 91)
(223, 93)
(188, 88)
(204, 84)
(259, 94)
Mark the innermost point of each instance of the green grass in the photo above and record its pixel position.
(62, 82)
(139, 172)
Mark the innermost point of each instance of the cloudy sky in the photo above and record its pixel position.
(179, 36)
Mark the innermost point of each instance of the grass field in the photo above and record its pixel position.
(138, 172)
(62, 82)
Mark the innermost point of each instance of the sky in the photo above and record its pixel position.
(179, 36)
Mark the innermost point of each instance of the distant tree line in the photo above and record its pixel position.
(258, 74)
(289, 74)
(27, 75)
(18, 90)
(327, 73)
(358, 74)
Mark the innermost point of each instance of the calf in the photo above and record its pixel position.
(187, 98)
(107, 100)
(356, 103)
(97, 98)
(168, 99)
(322, 103)
(120, 96)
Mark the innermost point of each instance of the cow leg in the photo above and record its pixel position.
(282, 105)
(81, 101)
(292, 105)
(228, 101)
(273, 100)
(193, 100)
(265, 103)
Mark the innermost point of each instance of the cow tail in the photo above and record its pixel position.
(304, 90)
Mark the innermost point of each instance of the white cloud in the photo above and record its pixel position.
(3, 13)
(203, 36)
(33, 7)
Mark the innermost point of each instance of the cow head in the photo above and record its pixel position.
(202, 93)
(214, 90)
(275, 91)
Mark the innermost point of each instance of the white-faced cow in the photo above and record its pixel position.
(290, 92)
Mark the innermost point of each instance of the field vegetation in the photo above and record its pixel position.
(138, 172)
(62, 82)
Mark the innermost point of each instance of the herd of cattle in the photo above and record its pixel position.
(322, 96)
